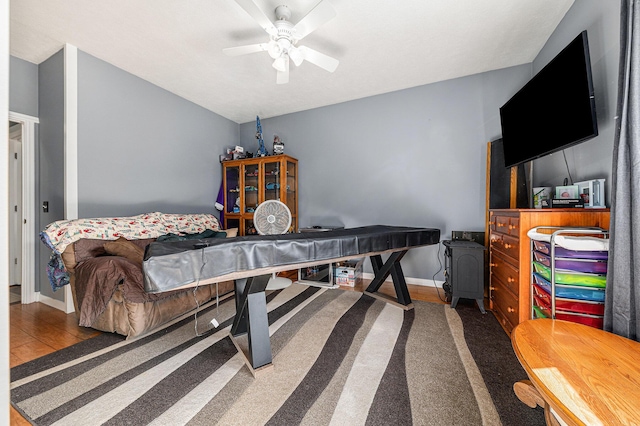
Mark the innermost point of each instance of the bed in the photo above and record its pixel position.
(101, 260)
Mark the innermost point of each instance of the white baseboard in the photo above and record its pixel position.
(50, 301)
(409, 280)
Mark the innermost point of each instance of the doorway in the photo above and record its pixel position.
(22, 226)
(15, 211)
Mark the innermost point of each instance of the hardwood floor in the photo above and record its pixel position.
(37, 329)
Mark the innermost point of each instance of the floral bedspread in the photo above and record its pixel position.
(60, 234)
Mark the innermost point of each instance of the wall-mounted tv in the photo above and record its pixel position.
(554, 110)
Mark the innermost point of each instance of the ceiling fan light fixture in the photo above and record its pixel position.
(274, 49)
(280, 63)
(296, 56)
(284, 36)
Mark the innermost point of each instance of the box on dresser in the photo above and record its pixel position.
(510, 257)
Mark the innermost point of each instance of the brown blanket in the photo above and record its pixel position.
(97, 279)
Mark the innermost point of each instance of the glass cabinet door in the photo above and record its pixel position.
(231, 222)
(251, 187)
(232, 194)
(249, 229)
(272, 180)
(291, 188)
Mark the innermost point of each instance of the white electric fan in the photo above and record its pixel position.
(284, 37)
(273, 217)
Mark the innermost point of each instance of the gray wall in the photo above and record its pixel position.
(143, 149)
(23, 87)
(415, 157)
(591, 159)
(50, 158)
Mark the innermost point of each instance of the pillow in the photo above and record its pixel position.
(233, 232)
(125, 248)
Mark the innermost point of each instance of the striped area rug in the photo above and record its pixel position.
(340, 357)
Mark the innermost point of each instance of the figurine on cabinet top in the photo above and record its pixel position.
(262, 151)
(278, 145)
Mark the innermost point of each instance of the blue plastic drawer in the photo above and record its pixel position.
(570, 292)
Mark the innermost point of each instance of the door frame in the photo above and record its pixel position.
(29, 239)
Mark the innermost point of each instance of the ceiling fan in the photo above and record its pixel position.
(284, 36)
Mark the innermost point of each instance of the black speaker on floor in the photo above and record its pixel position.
(464, 271)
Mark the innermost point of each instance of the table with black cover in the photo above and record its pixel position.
(250, 261)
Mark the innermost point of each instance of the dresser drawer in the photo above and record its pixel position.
(505, 224)
(503, 320)
(504, 301)
(506, 244)
(513, 227)
(501, 224)
(505, 273)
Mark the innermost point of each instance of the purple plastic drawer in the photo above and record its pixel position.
(578, 265)
(544, 247)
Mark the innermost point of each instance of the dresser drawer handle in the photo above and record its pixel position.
(492, 288)
(511, 280)
(510, 310)
(507, 246)
(500, 224)
(493, 265)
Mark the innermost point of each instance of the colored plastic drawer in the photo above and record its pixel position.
(570, 292)
(590, 320)
(541, 311)
(577, 265)
(571, 278)
(582, 307)
(544, 247)
(538, 313)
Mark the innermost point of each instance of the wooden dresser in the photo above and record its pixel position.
(510, 259)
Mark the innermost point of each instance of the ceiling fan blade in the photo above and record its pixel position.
(256, 13)
(283, 76)
(245, 50)
(320, 59)
(323, 12)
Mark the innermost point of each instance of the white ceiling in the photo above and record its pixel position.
(382, 45)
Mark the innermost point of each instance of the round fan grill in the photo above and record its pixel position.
(272, 217)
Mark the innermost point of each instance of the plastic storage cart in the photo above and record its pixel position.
(569, 273)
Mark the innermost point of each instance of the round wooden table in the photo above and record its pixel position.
(583, 375)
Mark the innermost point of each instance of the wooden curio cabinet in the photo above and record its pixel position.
(251, 181)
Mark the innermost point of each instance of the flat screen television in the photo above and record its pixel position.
(554, 110)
